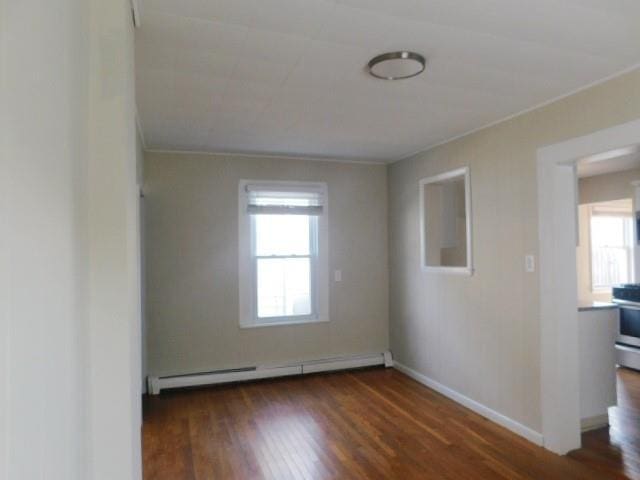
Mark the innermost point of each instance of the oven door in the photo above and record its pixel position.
(629, 325)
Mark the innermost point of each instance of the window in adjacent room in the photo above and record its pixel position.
(445, 222)
(283, 253)
(611, 244)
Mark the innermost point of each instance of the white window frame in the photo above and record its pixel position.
(247, 260)
(446, 176)
(613, 212)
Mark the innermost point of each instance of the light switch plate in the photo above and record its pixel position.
(337, 275)
(530, 263)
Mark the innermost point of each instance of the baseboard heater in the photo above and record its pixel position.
(157, 384)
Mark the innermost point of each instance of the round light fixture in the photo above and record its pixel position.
(397, 65)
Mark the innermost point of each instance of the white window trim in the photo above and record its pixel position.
(468, 269)
(246, 264)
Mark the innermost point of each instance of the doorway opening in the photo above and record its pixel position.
(559, 229)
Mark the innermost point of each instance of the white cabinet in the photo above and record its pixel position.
(597, 329)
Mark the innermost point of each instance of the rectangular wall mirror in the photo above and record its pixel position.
(445, 222)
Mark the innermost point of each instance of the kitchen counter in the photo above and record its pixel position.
(585, 307)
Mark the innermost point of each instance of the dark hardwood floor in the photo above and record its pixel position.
(367, 424)
(615, 451)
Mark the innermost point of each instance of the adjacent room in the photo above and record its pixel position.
(320, 239)
(607, 263)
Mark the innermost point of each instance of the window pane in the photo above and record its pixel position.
(611, 244)
(282, 235)
(284, 287)
(608, 231)
(610, 266)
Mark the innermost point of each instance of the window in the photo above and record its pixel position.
(445, 222)
(282, 253)
(611, 247)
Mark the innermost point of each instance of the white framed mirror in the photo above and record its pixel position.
(445, 222)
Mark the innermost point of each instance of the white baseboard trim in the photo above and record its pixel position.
(158, 383)
(480, 409)
(593, 423)
(334, 364)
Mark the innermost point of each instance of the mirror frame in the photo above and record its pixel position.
(468, 268)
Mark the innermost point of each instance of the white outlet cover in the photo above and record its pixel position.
(530, 263)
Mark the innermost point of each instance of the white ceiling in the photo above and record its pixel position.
(287, 76)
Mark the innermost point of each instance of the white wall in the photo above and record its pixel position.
(114, 253)
(42, 271)
(143, 323)
(480, 335)
(69, 408)
(597, 330)
(192, 263)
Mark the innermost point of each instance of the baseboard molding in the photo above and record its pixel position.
(333, 364)
(593, 423)
(480, 409)
(158, 383)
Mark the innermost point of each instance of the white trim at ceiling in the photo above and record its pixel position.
(268, 155)
(521, 112)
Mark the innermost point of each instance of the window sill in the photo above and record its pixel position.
(283, 323)
(449, 270)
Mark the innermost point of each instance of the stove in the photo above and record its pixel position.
(628, 292)
(628, 338)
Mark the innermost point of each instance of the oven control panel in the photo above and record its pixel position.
(627, 292)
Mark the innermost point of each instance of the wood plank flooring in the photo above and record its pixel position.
(615, 451)
(366, 424)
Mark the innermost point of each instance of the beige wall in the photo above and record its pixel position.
(583, 260)
(480, 334)
(191, 229)
(604, 188)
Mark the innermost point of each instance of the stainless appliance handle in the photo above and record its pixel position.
(627, 304)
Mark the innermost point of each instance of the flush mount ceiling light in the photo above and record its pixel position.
(397, 65)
